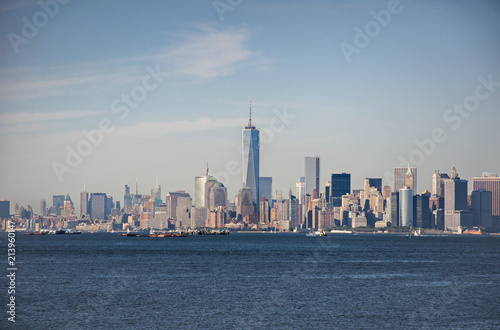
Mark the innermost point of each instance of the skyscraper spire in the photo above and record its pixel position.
(408, 172)
(454, 174)
(250, 118)
(207, 168)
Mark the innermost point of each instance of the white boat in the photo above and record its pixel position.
(317, 233)
(337, 231)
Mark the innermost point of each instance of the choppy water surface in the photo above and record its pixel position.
(256, 281)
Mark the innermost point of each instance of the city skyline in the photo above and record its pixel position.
(394, 99)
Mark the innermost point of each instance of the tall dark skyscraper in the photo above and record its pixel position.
(394, 209)
(250, 161)
(43, 207)
(341, 184)
(421, 211)
(482, 208)
(312, 174)
(375, 182)
(266, 187)
(84, 202)
(58, 200)
(97, 206)
(455, 203)
(4, 209)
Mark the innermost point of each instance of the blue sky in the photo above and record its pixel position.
(361, 116)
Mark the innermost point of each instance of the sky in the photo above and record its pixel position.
(104, 93)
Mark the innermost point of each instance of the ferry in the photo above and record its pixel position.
(338, 231)
(474, 231)
(318, 233)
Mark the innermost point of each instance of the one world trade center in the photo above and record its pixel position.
(250, 164)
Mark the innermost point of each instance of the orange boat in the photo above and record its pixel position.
(473, 232)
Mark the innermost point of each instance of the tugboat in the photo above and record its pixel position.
(129, 234)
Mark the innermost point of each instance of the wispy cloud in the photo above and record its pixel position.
(10, 118)
(56, 86)
(25, 122)
(27, 128)
(14, 5)
(211, 53)
(203, 53)
(149, 129)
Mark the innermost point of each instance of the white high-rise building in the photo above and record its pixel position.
(312, 174)
(406, 206)
(300, 191)
(490, 182)
(400, 177)
(156, 191)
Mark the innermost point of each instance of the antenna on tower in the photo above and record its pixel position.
(207, 168)
(250, 120)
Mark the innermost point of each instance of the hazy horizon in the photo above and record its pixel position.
(359, 101)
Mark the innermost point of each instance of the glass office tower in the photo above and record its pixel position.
(250, 161)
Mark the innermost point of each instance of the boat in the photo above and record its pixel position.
(72, 232)
(317, 233)
(128, 234)
(338, 231)
(172, 235)
(475, 231)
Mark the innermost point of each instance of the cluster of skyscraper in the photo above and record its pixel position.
(448, 207)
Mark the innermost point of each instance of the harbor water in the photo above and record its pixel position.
(255, 280)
